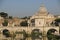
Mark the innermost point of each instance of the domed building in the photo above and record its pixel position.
(39, 27)
(41, 18)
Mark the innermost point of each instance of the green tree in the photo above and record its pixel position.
(57, 37)
(13, 35)
(24, 23)
(26, 17)
(6, 33)
(51, 36)
(10, 17)
(5, 23)
(56, 22)
(3, 14)
(35, 34)
(24, 34)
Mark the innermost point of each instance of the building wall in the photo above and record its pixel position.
(28, 29)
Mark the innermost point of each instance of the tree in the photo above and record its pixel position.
(35, 34)
(5, 23)
(24, 23)
(26, 17)
(6, 33)
(51, 36)
(56, 22)
(24, 34)
(3, 14)
(13, 35)
(10, 17)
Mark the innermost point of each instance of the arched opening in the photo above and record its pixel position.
(36, 34)
(6, 33)
(51, 34)
(22, 34)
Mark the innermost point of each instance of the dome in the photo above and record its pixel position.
(42, 10)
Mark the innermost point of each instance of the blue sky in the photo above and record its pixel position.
(21, 8)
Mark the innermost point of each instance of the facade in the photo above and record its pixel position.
(42, 18)
(41, 22)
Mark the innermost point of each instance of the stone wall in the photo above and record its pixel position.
(28, 30)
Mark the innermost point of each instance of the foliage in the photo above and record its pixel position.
(13, 35)
(10, 17)
(3, 14)
(24, 23)
(57, 20)
(5, 23)
(56, 23)
(26, 17)
(51, 36)
(6, 33)
(35, 34)
(24, 34)
(57, 37)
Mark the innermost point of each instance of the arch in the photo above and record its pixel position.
(6, 33)
(56, 22)
(23, 33)
(36, 30)
(51, 34)
(51, 30)
(36, 34)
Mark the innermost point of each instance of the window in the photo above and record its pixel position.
(33, 22)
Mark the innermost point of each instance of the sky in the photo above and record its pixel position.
(21, 8)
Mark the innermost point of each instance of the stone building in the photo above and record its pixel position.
(40, 22)
(41, 18)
